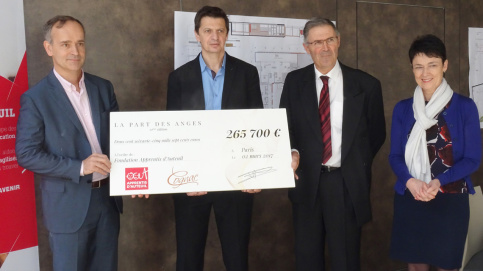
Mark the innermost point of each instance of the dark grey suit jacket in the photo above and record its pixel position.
(52, 143)
(363, 133)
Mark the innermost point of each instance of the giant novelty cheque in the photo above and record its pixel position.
(156, 152)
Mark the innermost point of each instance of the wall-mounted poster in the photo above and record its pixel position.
(475, 54)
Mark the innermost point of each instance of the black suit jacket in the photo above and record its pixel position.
(241, 89)
(363, 133)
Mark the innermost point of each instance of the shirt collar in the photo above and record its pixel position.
(334, 73)
(69, 86)
(204, 67)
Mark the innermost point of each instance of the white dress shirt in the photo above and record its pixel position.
(80, 102)
(336, 95)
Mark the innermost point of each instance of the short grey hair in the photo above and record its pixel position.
(318, 21)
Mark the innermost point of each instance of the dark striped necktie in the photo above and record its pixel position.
(324, 112)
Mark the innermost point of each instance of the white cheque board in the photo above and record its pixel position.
(157, 152)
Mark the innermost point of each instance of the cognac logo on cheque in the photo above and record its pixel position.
(137, 178)
(181, 177)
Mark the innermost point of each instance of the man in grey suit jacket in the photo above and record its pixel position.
(333, 166)
(63, 137)
(213, 81)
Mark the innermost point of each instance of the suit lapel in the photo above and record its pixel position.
(230, 73)
(194, 91)
(353, 105)
(310, 101)
(59, 96)
(94, 100)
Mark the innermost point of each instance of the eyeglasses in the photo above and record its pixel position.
(319, 43)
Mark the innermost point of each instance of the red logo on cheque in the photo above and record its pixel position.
(137, 178)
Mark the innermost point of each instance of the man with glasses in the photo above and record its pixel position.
(336, 121)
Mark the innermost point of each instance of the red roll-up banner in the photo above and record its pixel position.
(18, 225)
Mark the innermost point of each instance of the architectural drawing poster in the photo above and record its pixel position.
(475, 54)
